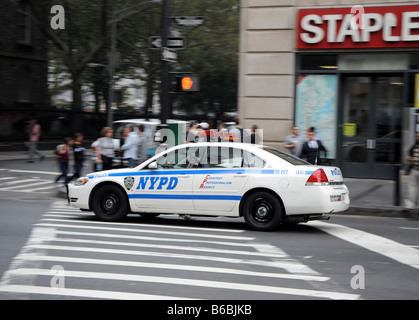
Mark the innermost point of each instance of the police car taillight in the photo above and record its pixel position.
(318, 178)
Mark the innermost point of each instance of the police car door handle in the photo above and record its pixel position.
(184, 176)
(240, 175)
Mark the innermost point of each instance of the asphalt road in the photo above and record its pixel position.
(51, 251)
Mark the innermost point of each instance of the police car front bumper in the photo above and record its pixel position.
(78, 197)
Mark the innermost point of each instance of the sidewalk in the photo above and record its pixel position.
(368, 196)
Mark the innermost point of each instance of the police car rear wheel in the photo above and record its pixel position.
(262, 211)
(110, 204)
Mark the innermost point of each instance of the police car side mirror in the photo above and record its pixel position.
(152, 165)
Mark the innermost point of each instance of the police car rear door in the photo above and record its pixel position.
(219, 179)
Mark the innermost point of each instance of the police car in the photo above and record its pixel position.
(264, 185)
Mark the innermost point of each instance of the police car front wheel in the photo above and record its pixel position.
(262, 211)
(110, 203)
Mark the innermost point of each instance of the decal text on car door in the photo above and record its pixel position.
(157, 183)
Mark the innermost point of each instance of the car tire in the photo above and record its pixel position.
(262, 211)
(110, 203)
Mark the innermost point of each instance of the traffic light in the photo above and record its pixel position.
(188, 83)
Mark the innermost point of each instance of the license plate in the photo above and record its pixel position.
(337, 198)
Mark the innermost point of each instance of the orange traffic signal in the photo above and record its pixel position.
(188, 82)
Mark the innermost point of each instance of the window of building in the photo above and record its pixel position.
(24, 25)
(24, 87)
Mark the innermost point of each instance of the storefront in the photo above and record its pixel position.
(355, 71)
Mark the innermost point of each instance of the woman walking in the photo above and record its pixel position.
(105, 150)
(62, 153)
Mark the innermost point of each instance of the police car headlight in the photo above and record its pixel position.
(81, 181)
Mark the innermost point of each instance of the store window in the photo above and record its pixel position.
(361, 62)
(319, 62)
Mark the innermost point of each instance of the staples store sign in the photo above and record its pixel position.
(358, 27)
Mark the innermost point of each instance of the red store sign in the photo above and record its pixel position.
(358, 27)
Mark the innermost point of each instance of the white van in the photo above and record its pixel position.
(151, 130)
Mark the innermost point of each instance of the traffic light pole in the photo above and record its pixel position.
(164, 98)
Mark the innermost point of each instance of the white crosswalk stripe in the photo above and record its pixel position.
(190, 262)
(31, 185)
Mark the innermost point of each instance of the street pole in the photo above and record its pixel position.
(111, 70)
(164, 99)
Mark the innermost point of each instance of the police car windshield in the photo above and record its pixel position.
(286, 156)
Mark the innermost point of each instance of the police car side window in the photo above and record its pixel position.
(223, 157)
(178, 159)
(253, 161)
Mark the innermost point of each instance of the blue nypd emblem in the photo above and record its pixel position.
(129, 183)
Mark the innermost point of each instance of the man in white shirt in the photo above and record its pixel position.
(294, 142)
(130, 146)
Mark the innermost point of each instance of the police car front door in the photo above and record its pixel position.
(169, 187)
(219, 179)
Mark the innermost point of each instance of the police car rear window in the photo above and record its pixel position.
(286, 156)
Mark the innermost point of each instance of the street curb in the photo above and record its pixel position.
(393, 212)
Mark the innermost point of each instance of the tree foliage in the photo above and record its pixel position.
(211, 50)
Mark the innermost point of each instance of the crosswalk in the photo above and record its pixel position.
(27, 185)
(72, 255)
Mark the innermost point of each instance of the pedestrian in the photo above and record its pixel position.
(254, 135)
(34, 135)
(122, 138)
(294, 142)
(130, 146)
(191, 134)
(142, 144)
(62, 153)
(222, 127)
(105, 150)
(316, 136)
(239, 133)
(223, 133)
(78, 153)
(311, 149)
(412, 198)
(201, 132)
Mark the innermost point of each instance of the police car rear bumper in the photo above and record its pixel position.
(306, 218)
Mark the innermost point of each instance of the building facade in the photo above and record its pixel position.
(349, 68)
(23, 68)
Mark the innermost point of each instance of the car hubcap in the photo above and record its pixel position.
(262, 211)
(110, 204)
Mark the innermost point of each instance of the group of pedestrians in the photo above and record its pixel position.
(133, 150)
(309, 149)
(71, 147)
(200, 132)
(133, 147)
(63, 152)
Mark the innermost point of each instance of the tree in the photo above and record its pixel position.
(211, 52)
(83, 37)
(211, 49)
(137, 60)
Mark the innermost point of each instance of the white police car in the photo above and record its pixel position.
(265, 186)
